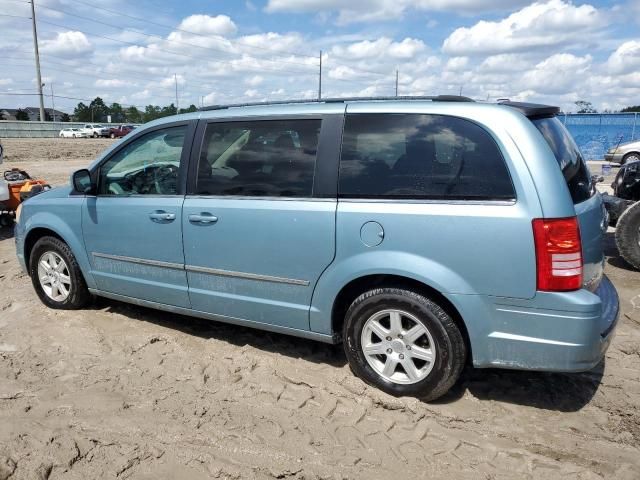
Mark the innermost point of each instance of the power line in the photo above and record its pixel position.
(83, 74)
(66, 97)
(152, 35)
(355, 71)
(260, 68)
(169, 27)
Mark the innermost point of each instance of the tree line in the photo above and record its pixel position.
(587, 107)
(98, 111)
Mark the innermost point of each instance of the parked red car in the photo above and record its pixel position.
(120, 131)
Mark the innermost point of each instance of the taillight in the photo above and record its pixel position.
(558, 254)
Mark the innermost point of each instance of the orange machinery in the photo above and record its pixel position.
(20, 186)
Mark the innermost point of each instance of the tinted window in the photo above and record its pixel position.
(568, 155)
(149, 165)
(420, 156)
(274, 158)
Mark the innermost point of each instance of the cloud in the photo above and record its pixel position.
(385, 10)
(254, 81)
(207, 25)
(111, 83)
(557, 74)
(626, 58)
(381, 47)
(539, 25)
(69, 44)
(457, 63)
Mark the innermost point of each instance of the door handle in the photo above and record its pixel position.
(203, 218)
(162, 216)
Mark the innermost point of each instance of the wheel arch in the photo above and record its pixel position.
(76, 245)
(352, 290)
(32, 238)
(628, 154)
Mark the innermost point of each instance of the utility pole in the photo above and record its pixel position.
(53, 104)
(320, 79)
(396, 82)
(37, 53)
(175, 77)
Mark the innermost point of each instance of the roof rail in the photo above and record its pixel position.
(436, 98)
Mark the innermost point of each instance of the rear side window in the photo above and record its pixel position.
(271, 158)
(420, 156)
(567, 153)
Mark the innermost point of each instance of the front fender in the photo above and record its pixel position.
(66, 222)
(402, 264)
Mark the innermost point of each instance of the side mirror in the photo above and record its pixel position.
(82, 183)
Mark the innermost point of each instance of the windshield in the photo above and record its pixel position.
(573, 166)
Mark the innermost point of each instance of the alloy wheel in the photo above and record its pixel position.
(54, 277)
(398, 346)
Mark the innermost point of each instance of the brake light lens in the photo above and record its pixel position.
(558, 254)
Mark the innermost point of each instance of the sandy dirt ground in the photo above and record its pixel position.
(118, 391)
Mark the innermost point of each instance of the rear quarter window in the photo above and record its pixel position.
(421, 156)
(569, 158)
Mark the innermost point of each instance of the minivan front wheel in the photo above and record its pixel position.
(403, 343)
(56, 276)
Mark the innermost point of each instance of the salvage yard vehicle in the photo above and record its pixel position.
(73, 133)
(624, 211)
(95, 130)
(626, 152)
(120, 131)
(420, 233)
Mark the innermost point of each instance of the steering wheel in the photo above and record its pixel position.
(165, 178)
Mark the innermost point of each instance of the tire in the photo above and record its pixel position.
(113, 135)
(6, 220)
(78, 295)
(442, 338)
(628, 235)
(95, 135)
(630, 157)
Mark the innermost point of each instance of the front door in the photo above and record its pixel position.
(256, 238)
(133, 226)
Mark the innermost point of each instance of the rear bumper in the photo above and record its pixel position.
(555, 332)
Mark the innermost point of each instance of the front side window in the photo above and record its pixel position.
(269, 158)
(149, 165)
(421, 156)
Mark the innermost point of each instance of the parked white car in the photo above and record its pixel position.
(95, 130)
(73, 133)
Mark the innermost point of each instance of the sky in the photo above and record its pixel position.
(225, 51)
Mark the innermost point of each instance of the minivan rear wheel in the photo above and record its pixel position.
(403, 343)
(628, 235)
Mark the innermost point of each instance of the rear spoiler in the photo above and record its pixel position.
(533, 110)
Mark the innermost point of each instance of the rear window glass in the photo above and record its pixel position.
(574, 168)
(421, 156)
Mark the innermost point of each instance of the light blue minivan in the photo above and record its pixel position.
(421, 233)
